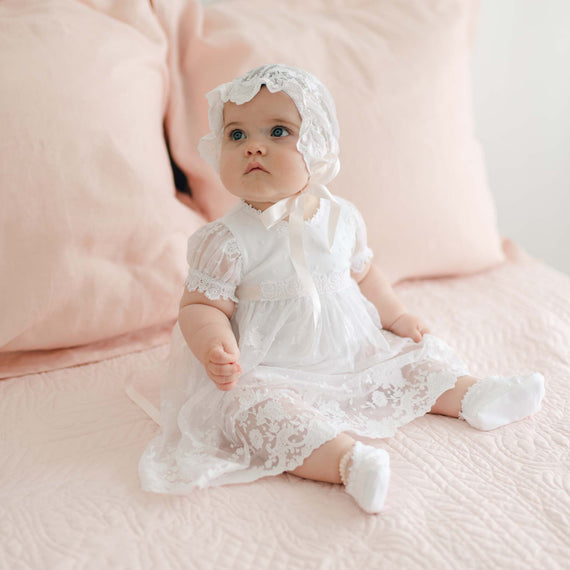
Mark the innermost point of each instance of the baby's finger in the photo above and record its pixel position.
(417, 336)
(224, 369)
(219, 356)
(226, 387)
(230, 348)
(224, 383)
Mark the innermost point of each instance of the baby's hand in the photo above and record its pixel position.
(410, 326)
(222, 366)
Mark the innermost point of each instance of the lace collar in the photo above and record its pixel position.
(283, 225)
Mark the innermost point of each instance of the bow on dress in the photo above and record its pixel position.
(294, 207)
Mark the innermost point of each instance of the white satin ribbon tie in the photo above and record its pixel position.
(294, 208)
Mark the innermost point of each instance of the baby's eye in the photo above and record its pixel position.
(237, 135)
(280, 132)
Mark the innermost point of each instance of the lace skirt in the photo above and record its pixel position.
(276, 416)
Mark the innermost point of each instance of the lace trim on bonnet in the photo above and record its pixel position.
(318, 137)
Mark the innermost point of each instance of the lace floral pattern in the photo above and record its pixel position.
(359, 261)
(269, 426)
(292, 287)
(252, 338)
(281, 432)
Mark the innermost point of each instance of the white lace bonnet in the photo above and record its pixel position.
(318, 137)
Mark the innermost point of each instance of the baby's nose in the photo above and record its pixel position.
(255, 147)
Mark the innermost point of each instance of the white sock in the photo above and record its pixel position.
(497, 401)
(367, 476)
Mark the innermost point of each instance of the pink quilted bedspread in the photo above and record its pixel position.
(70, 441)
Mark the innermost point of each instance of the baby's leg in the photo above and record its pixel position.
(323, 463)
(449, 403)
(364, 470)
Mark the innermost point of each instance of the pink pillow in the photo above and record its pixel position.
(92, 238)
(399, 73)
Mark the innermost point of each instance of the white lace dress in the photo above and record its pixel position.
(301, 385)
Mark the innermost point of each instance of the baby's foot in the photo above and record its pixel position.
(497, 401)
(365, 472)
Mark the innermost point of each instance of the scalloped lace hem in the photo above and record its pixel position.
(358, 262)
(249, 474)
(212, 288)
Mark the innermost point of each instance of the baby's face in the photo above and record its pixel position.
(262, 134)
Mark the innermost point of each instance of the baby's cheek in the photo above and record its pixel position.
(227, 172)
(299, 171)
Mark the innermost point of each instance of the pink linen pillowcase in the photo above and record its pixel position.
(399, 73)
(92, 237)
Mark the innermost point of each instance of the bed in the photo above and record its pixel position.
(71, 441)
(70, 438)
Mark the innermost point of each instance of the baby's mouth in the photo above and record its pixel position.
(254, 166)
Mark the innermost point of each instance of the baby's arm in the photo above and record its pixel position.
(393, 314)
(205, 325)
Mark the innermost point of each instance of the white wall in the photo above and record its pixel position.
(521, 81)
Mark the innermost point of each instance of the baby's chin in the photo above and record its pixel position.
(258, 190)
(265, 196)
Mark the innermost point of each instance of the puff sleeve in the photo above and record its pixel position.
(214, 262)
(361, 253)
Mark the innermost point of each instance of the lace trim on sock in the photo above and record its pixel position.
(473, 391)
(343, 464)
(467, 398)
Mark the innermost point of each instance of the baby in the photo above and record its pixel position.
(290, 343)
